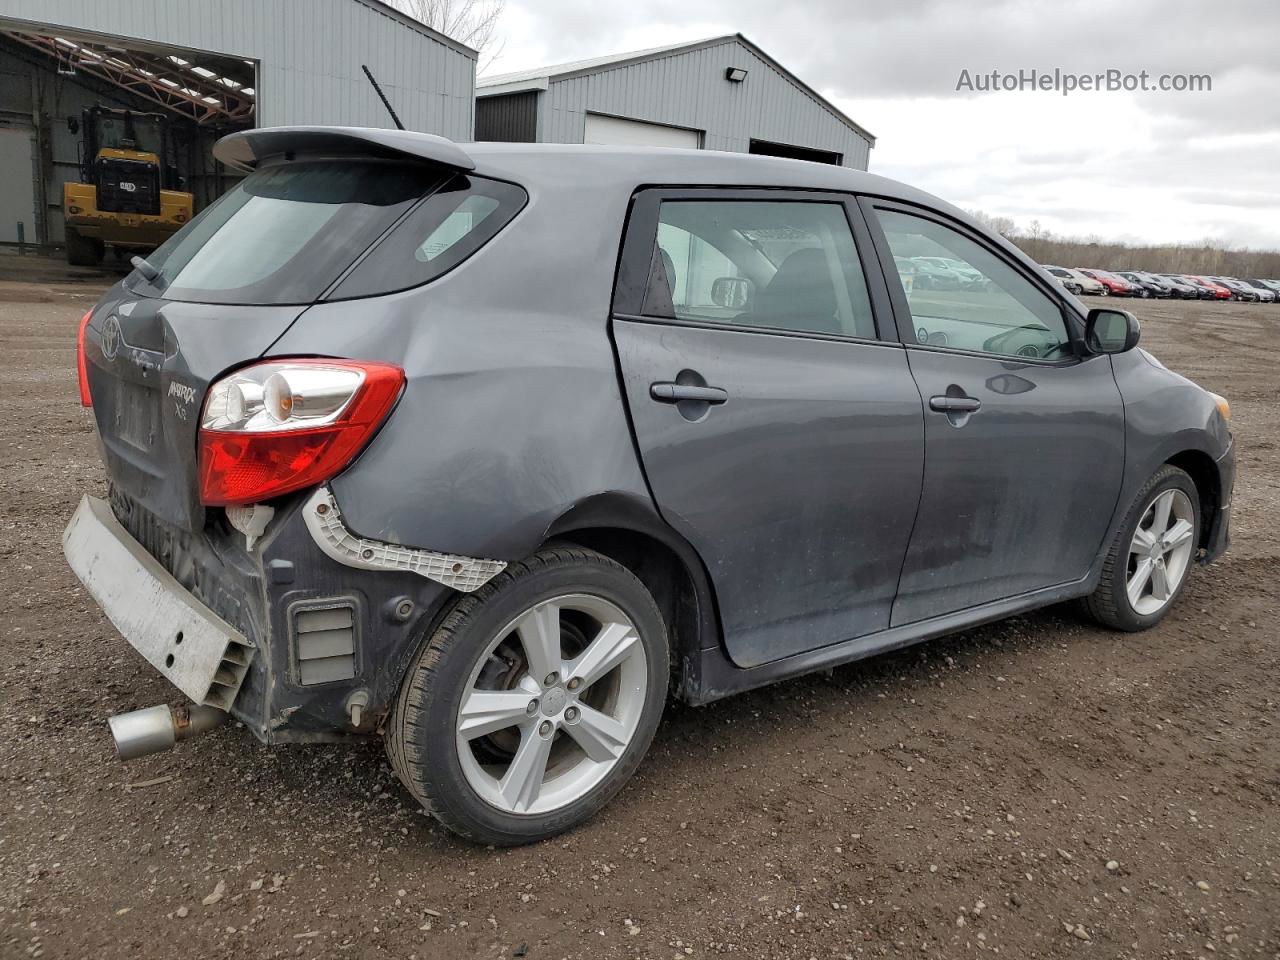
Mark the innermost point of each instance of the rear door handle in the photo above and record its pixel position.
(955, 404)
(675, 392)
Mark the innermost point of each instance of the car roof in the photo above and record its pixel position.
(593, 166)
(592, 176)
(666, 165)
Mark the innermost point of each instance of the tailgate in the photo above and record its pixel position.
(149, 363)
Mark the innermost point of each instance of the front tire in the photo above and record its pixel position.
(1151, 556)
(535, 699)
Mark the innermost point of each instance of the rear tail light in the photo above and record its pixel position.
(82, 367)
(285, 425)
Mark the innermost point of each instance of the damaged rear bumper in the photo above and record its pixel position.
(198, 652)
(296, 644)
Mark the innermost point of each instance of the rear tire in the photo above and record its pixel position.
(505, 685)
(82, 251)
(1166, 509)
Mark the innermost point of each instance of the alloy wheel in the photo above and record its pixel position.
(1160, 552)
(552, 704)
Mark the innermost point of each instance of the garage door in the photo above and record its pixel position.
(17, 199)
(637, 133)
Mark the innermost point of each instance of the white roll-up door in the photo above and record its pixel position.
(637, 133)
(18, 198)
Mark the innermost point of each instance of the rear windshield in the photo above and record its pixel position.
(286, 233)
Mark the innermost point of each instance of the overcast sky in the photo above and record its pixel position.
(1136, 166)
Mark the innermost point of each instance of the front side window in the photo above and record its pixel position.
(980, 303)
(777, 264)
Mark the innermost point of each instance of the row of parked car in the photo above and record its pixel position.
(1177, 286)
(939, 273)
(944, 273)
(1141, 283)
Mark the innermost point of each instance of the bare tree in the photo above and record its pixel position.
(1209, 257)
(1035, 233)
(1001, 225)
(472, 22)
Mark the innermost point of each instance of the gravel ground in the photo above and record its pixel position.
(1035, 788)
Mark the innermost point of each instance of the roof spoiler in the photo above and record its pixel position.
(247, 149)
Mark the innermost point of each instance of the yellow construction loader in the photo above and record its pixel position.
(123, 196)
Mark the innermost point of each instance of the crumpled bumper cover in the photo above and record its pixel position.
(198, 652)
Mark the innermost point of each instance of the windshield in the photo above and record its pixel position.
(114, 134)
(285, 233)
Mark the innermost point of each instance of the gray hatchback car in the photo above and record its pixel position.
(487, 449)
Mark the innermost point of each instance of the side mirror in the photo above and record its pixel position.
(732, 292)
(1111, 331)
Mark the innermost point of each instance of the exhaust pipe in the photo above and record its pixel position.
(156, 729)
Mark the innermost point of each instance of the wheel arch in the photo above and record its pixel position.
(627, 530)
(1203, 471)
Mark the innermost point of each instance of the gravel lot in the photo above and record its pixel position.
(1036, 788)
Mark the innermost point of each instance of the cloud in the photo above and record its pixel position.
(1153, 166)
(1232, 198)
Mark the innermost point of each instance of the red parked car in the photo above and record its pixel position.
(1220, 292)
(1111, 284)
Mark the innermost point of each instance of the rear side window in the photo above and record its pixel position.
(782, 265)
(285, 233)
(446, 228)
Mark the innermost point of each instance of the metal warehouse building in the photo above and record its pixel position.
(211, 67)
(179, 74)
(719, 94)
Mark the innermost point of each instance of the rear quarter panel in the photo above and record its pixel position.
(512, 412)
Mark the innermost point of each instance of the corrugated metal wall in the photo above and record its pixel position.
(309, 54)
(37, 101)
(509, 118)
(689, 89)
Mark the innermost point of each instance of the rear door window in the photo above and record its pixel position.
(782, 265)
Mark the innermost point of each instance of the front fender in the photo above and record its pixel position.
(1166, 416)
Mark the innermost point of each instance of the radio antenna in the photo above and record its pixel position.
(382, 96)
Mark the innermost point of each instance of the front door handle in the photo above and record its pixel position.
(675, 392)
(955, 404)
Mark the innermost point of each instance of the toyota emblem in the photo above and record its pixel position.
(111, 337)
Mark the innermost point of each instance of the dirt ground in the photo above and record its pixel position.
(1035, 788)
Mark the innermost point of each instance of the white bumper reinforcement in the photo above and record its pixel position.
(324, 520)
(198, 652)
